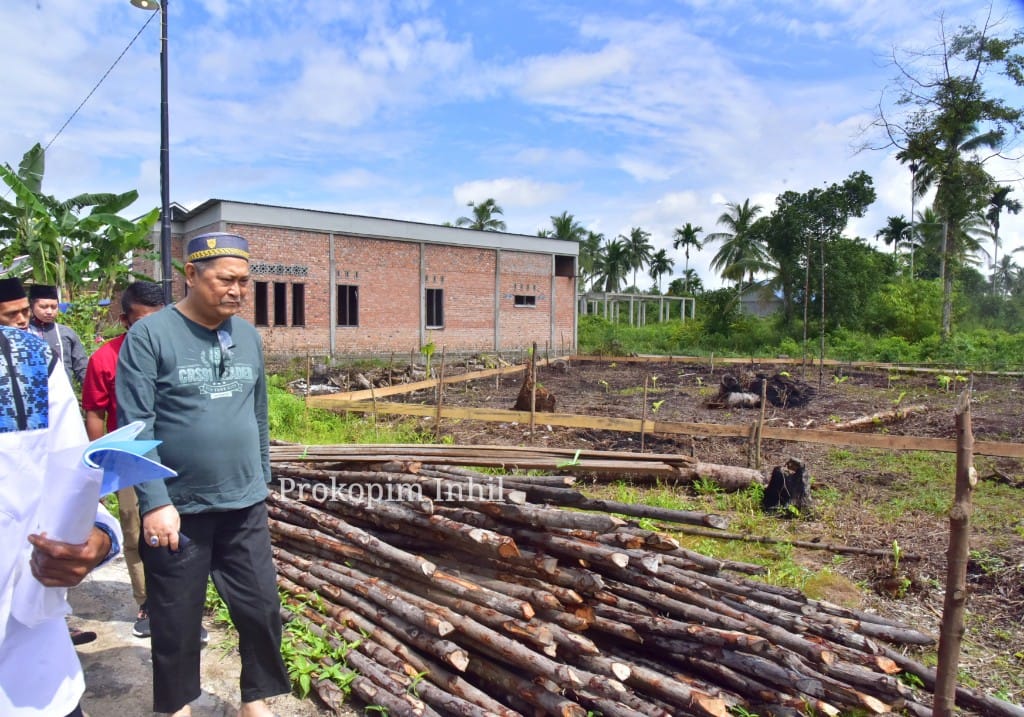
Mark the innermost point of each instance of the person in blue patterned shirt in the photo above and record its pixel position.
(39, 671)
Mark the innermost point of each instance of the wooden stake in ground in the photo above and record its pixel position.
(440, 397)
(951, 631)
(305, 401)
(643, 419)
(760, 425)
(533, 389)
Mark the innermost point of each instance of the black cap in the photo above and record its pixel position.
(11, 289)
(42, 291)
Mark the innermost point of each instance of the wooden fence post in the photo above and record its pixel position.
(440, 397)
(951, 631)
(533, 389)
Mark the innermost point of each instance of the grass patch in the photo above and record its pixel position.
(926, 484)
(292, 420)
(744, 509)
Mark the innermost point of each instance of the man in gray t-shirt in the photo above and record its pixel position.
(193, 373)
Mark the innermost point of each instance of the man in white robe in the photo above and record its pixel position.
(40, 674)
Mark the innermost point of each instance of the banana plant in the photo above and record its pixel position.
(64, 247)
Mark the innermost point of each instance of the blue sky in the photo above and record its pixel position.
(628, 113)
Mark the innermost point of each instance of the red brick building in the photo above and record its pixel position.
(334, 283)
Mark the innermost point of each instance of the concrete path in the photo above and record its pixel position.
(118, 670)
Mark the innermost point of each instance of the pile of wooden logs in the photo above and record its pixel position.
(470, 594)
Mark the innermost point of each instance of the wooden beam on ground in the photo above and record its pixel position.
(426, 384)
(635, 425)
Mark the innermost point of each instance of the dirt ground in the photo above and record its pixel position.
(118, 668)
(992, 654)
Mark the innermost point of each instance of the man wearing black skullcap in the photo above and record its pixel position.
(14, 309)
(193, 374)
(63, 340)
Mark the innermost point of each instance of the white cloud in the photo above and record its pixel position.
(644, 171)
(546, 76)
(352, 179)
(509, 192)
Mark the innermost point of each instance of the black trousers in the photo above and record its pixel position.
(234, 548)
(77, 712)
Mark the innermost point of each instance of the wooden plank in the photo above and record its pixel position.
(324, 400)
(633, 425)
(767, 361)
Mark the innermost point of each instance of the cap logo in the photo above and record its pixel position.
(217, 244)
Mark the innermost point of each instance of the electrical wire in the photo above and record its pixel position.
(100, 82)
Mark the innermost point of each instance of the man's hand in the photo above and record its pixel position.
(163, 524)
(64, 565)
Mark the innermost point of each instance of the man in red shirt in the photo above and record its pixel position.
(139, 300)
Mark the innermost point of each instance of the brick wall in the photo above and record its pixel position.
(387, 274)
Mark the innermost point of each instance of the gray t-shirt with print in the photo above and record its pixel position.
(203, 393)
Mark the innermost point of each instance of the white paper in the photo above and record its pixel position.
(67, 512)
(75, 480)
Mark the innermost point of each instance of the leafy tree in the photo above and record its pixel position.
(661, 264)
(904, 307)
(998, 202)
(638, 249)
(742, 253)
(719, 310)
(483, 218)
(801, 232)
(685, 237)
(854, 273)
(689, 284)
(953, 126)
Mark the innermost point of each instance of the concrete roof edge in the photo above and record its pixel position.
(317, 220)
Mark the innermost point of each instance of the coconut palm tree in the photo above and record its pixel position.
(638, 249)
(947, 158)
(612, 265)
(483, 218)
(1005, 274)
(590, 257)
(564, 227)
(685, 237)
(689, 284)
(742, 253)
(998, 203)
(927, 243)
(895, 232)
(661, 264)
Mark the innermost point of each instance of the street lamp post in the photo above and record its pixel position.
(165, 176)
